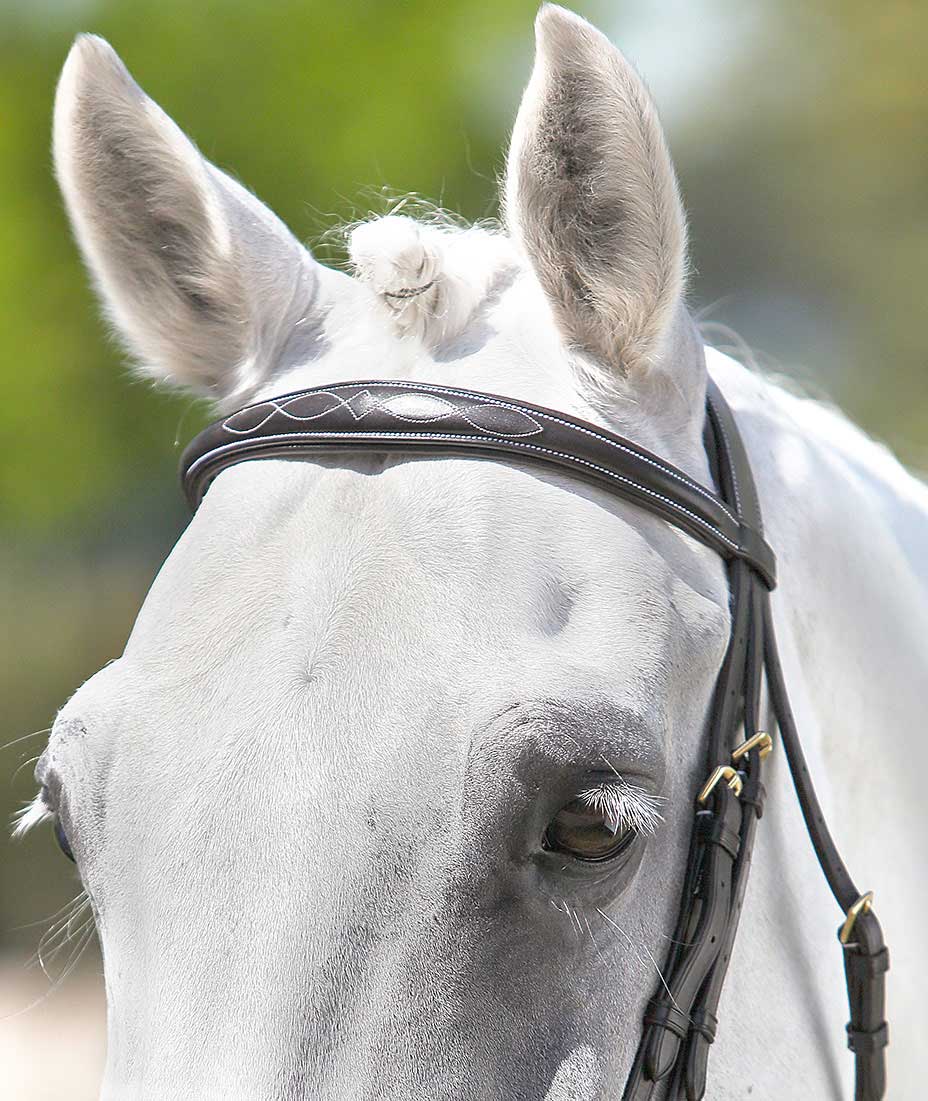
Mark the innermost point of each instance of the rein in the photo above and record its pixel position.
(680, 1021)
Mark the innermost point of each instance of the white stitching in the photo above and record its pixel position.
(567, 424)
(381, 404)
(301, 437)
(680, 477)
(731, 465)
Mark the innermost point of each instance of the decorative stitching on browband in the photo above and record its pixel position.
(671, 471)
(668, 470)
(296, 438)
(377, 405)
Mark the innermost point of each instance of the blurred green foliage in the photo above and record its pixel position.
(806, 174)
(801, 137)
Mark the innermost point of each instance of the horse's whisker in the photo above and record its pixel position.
(62, 932)
(45, 921)
(631, 945)
(24, 764)
(24, 738)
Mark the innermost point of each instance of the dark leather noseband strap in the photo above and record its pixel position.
(680, 1020)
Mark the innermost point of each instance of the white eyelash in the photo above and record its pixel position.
(624, 806)
(31, 815)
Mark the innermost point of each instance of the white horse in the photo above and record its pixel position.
(308, 801)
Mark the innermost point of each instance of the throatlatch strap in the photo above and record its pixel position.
(397, 416)
(866, 957)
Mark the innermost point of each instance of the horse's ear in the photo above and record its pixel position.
(591, 197)
(201, 280)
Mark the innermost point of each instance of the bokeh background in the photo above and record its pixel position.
(800, 131)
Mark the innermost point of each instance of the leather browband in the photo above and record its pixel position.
(410, 417)
(680, 1020)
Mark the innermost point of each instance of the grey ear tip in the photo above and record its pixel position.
(558, 28)
(87, 47)
(551, 15)
(93, 65)
(93, 56)
(554, 15)
(89, 39)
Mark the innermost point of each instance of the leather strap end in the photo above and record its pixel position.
(754, 795)
(667, 1028)
(702, 1034)
(866, 961)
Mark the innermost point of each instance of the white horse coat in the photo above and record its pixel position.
(308, 800)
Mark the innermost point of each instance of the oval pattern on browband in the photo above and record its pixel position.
(398, 416)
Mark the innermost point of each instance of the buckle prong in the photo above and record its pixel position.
(721, 772)
(761, 741)
(861, 906)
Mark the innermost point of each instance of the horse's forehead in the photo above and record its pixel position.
(377, 543)
(394, 604)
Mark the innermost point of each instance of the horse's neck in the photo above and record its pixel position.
(850, 528)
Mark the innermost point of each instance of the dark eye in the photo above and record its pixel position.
(585, 832)
(62, 838)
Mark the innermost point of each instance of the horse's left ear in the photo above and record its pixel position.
(208, 289)
(592, 198)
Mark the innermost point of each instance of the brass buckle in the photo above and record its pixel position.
(761, 741)
(721, 772)
(861, 906)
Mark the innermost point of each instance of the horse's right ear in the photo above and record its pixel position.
(208, 289)
(592, 199)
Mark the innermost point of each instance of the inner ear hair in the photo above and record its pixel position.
(200, 280)
(592, 197)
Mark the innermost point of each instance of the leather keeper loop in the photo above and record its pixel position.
(663, 1015)
(705, 1023)
(713, 831)
(861, 966)
(755, 551)
(753, 795)
(863, 1043)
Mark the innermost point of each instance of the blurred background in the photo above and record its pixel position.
(800, 132)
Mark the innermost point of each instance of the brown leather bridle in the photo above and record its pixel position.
(409, 417)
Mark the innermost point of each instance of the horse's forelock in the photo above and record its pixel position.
(432, 272)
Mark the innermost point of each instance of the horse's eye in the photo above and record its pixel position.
(586, 833)
(63, 843)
